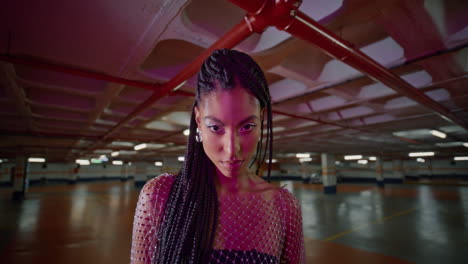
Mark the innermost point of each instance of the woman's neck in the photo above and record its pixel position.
(243, 182)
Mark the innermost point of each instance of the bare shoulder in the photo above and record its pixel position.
(158, 186)
(289, 201)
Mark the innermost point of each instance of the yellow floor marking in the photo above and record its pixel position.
(374, 222)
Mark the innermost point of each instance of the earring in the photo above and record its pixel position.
(198, 136)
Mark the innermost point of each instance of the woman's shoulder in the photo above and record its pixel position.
(158, 186)
(288, 200)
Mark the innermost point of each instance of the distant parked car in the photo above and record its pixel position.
(315, 177)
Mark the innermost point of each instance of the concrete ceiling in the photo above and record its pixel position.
(320, 103)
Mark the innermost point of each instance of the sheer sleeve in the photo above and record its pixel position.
(148, 216)
(293, 247)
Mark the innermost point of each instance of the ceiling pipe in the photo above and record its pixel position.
(284, 15)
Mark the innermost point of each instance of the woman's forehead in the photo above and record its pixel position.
(236, 103)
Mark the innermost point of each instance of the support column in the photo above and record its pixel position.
(124, 172)
(328, 173)
(379, 172)
(140, 173)
(73, 170)
(398, 170)
(20, 180)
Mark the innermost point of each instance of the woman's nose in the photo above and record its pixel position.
(232, 144)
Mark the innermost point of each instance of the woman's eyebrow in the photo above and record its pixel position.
(219, 121)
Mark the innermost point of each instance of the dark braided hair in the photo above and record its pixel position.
(188, 228)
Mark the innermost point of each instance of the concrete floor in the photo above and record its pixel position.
(91, 223)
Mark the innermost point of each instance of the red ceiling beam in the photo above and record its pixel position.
(284, 15)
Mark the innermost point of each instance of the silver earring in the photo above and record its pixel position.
(198, 136)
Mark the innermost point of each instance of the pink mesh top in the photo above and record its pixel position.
(253, 228)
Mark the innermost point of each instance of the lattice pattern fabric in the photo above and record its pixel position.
(253, 228)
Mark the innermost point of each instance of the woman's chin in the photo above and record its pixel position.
(230, 173)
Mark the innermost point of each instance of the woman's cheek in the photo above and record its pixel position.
(250, 143)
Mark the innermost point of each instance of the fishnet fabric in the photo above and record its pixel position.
(253, 228)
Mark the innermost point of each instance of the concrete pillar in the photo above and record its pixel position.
(328, 173)
(20, 180)
(124, 172)
(379, 172)
(73, 170)
(140, 173)
(398, 170)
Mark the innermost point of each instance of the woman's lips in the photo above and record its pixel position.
(232, 165)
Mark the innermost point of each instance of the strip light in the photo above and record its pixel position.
(420, 160)
(158, 163)
(103, 158)
(437, 133)
(36, 160)
(353, 157)
(117, 162)
(302, 155)
(186, 132)
(460, 158)
(96, 161)
(362, 161)
(421, 154)
(372, 158)
(181, 158)
(301, 160)
(272, 161)
(82, 161)
(465, 144)
(140, 146)
(115, 154)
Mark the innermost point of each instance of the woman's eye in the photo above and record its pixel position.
(248, 127)
(215, 128)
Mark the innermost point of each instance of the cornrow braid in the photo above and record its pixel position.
(188, 226)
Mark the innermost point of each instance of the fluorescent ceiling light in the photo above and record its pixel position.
(36, 160)
(420, 160)
(180, 85)
(302, 155)
(373, 158)
(272, 161)
(460, 158)
(186, 132)
(96, 161)
(140, 146)
(115, 154)
(465, 144)
(82, 161)
(353, 157)
(362, 161)
(421, 154)
(181, 158)
(301, 160)
(103, 158)
(438, 134)
(158, 163)
(117, 162)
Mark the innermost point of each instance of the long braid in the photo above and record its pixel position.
(188, 227)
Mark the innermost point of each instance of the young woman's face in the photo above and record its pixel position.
(230, 126)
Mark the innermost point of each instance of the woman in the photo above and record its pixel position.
(216, 210)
